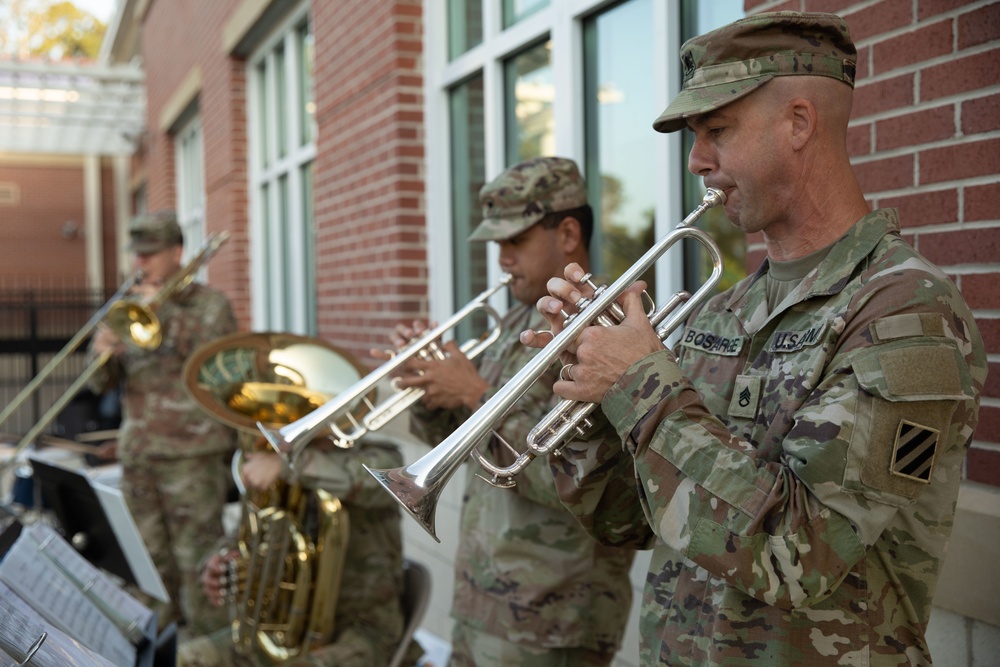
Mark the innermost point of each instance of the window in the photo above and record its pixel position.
(515, 10)
(700, 16)
(529, 93)
(282, 147)
(468, 176)
(618, 47)
(465, 26)
(189, 157)
(582, 79)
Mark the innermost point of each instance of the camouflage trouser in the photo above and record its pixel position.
(177, 506)
(351, 649)
(471, 648)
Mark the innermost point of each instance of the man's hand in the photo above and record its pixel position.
(261, 470)
(600, 355)
(214, 577)
(447, 383)
(105, 340)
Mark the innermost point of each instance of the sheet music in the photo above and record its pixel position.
(61, 603)
(21, 626)
(130, 615)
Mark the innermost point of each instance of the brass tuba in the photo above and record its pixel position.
(286, 579)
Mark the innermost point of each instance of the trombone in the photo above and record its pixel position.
(289, 441)
(418, 486)
(133, 322)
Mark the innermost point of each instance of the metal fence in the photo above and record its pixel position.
(34, 326)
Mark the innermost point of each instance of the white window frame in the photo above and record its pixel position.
(291, 283)
(189, 171)
(562, 21)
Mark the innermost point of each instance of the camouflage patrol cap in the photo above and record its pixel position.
(726, 64)
(525, 193)
(153, 232)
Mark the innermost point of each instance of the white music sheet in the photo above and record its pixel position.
(60, 602)
(21, 626)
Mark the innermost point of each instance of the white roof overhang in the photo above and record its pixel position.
(71, 109)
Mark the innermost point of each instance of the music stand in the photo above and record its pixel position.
(96, 521)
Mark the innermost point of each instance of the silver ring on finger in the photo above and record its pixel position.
(566, 372)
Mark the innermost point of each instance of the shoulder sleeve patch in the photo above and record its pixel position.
(907, 325)
(914, 450)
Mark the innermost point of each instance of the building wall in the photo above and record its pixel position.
(182, 42)
(369, 187)
(42, 229)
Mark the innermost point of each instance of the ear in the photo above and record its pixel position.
(804, 121)
(177, 253)
(569, 235)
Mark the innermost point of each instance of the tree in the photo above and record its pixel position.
(50, 29)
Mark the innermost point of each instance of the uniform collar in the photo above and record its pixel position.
(748, 301)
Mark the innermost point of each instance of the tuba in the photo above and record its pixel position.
(285, 582)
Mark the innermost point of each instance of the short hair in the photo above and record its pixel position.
(583, 214)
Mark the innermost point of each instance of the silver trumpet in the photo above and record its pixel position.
(352, 414)
(418, 486)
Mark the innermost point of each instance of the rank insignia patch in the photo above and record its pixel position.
(913, 452)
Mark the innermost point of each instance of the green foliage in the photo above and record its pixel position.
(50, 29)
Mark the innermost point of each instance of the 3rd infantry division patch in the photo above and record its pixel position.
(914, 450)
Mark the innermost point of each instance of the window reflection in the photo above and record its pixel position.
(465, 26)
(618, 47)
(515, 10)
(468, 174)
(700, 16)
(528, 95)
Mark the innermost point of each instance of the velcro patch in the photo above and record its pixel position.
(914, 450)
(713, 343)
(746, 396)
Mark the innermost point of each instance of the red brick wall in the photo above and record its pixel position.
(178, 35)
(369, 178)
(923, 139)
(35, 252)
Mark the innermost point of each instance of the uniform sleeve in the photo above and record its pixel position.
(787, 531)
(105, 378)
(341, 472)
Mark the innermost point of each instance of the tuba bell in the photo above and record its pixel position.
(285, 582)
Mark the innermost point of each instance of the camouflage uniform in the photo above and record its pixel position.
(531, 587)
(174, 476)
(369, 619)
(524, 570)
(798, 471)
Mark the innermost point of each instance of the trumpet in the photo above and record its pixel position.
(133, 322)
(347, 421)
(418, 486)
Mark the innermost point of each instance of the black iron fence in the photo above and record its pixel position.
(35, 325)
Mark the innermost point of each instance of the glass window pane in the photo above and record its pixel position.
(307, 252)
(264, 120)
(515, 10)
(618, 47)
(697, 17)
(528, 94)
(282, 100)
(468, 175)
(286, 257)
(307, 103)
(465, 26)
